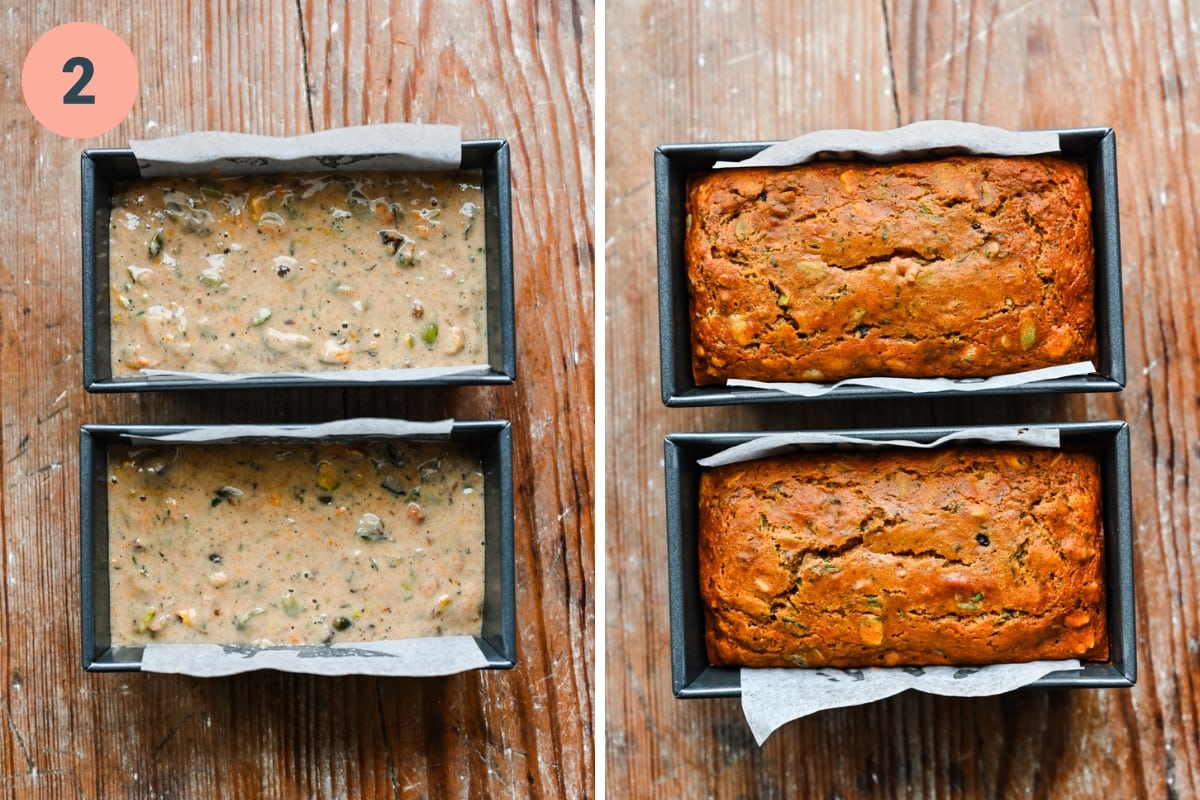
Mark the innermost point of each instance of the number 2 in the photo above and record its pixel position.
(73, 96)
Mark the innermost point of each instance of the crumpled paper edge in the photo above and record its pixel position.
(321, 376)
(774, 443)
(357, 426)
(399, 146)
(925, 138)
(925, 385)
(771, 698)
(424, 657)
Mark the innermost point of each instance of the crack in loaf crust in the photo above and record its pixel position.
(960, 267)
(886, 558)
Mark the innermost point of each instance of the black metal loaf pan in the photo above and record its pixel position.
(693, 676)
(492, 438)
(102, 167)
(673, 163)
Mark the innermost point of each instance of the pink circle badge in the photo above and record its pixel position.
(80, 80)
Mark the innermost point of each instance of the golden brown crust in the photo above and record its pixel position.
(961, 267)
(969, 555)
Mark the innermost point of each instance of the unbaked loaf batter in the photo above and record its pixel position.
(304, 273)
(294, 544)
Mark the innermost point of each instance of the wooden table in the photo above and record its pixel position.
(702, 71)
(496, 69)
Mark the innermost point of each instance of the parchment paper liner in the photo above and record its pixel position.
(400, 147)
(925, 139)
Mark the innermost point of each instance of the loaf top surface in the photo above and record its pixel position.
(967, 266)
(959, 556)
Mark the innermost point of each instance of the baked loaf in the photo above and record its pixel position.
(851, 559)
(961, 267)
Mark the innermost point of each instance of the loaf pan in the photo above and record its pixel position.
(493, 438)
(673, 163)
(102, 167)
(693, 676)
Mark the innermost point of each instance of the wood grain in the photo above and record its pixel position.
(704, 71)
(514, 70)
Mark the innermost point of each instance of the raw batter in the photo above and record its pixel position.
(304, 273)
(294, 544)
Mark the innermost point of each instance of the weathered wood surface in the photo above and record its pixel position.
(701, 71)
(515, 70)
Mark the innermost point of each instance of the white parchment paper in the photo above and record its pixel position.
(358, 426)
(323, 376)
(774, 697)
(918, 139)
(771, 698)
(438, 655)
(394, 146)
(926, 385)
(774, 443)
